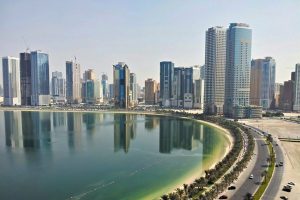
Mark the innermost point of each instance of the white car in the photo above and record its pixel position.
(251, 176)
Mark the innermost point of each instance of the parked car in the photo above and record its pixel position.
(223, 197)
(232, 187)
(291, 183)
(287, 189)
(283, 197)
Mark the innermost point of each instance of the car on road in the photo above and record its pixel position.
(283, 197)
(232, 187)
(291, 183)
(223, 197)
(251, 176)
(276, 165)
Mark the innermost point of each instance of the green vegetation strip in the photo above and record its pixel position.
(268, 175)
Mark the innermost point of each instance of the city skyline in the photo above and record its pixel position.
(172, 36)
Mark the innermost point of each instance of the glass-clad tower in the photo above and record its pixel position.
(25, 76)
(40, 78)
(121, 85)
(238, 64)
(11, 81)
(166, 81)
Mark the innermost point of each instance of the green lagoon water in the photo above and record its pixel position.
(59, 155)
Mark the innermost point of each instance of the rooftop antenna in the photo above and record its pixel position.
(26, 44)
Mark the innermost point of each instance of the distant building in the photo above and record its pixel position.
(296, 106)
(105, 90)
(121, 85)
(133, 89)
(150, 92)
(91, 88)
(73, 82)
(25, 77)
(215, 64)
(199, 94)
(277, 94)
(262, 82)
(11, 81)
(166, 81)
(287, 94)
(111, 93)
(238, 65)
(58, 88)
(40, 79)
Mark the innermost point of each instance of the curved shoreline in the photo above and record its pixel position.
(186, 180)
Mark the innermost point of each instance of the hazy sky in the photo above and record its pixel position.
(144, 32)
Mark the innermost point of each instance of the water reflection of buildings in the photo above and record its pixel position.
(179, 134)
(74, 124)
(151, 122)
(27, 129)
(124, 131)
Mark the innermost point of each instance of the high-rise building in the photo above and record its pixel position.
(104, 82)
(287, 94)
(58, 88)
(183, 87)
(11, 81)
(238, 64)
(277, 94)
(150, 92)
(73, 82)
(166, 82)
(25, 77)
(262, 82)
(91, 88)
(296, 106)
(40, 78)
(111, 91)
(121, 85)
(199, 94)
(133, 89)
(215, 64)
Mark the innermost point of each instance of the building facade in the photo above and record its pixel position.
(262, 83)
(40, 79)
(150, 92)
(238, 64)
(133, 89)
(11, 81)
(25, 77)
(296, 106)
(215, 64)
(73, 82)
(58, 88)
(166, 81)
(121, 75)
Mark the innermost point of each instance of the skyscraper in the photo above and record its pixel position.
(121, 85)
(262, 82)
(104, 82)
(25, 73)
(166, 81)
(40, 78)
(11, 81)
(58, 87)
(150, 92)
(287, 94)
(133, 89)
(237, 73)
(73, 82)
(215, 64)
(91, 88)
(296, 106)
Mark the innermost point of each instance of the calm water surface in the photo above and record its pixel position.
(56, 155)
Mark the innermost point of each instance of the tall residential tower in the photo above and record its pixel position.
(73, 82)
(238, 64)
(215, 64)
